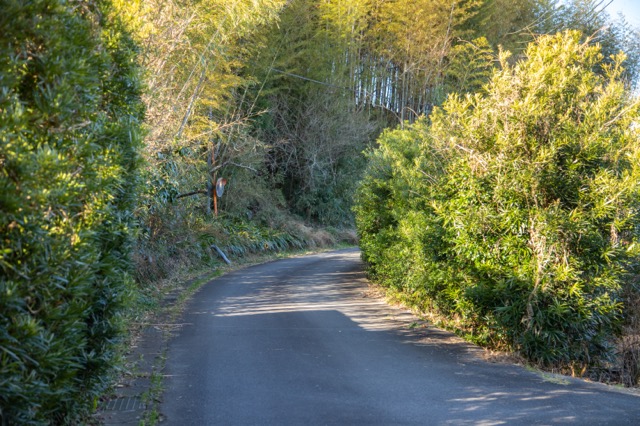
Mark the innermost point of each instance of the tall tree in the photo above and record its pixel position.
(314, 124)
(414, 38)
(195, 52)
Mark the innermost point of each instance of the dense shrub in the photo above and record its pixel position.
(514, 211)
(70, 118)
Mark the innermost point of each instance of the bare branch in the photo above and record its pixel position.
(231, 163)
(242, 166)
(189, 194)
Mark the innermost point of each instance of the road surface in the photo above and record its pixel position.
(301, 342)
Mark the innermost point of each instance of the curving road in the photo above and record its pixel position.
(301, 342)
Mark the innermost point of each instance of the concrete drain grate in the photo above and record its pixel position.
(125, 404)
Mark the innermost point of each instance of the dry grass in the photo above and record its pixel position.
(629, 359)
(500, 357)
(347, 236)
(624, 369)
(321, 237)
(627, 363)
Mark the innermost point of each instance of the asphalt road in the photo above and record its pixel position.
(301, 342)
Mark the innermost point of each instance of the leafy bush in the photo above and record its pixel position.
(514, 211)
(70, 118)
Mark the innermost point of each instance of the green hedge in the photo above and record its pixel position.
(514, 211)
(70, 117)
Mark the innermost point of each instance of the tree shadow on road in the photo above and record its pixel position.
(302, 343)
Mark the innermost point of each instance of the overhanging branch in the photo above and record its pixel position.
(189, 194)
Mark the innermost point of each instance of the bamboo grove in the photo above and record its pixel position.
(118, 118)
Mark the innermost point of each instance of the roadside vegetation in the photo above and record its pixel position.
(513, 212)
(509, 211)
(70, 128)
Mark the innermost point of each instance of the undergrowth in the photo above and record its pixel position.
(174, 259)
(173, 241)
(175, 252)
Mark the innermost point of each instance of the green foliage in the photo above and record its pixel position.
(180, 240)
(70, 118)
(194, 54)
(470, 67)
(612, 35)
(285, 95)
(510, 23)
(313, 127)
(515, 212)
